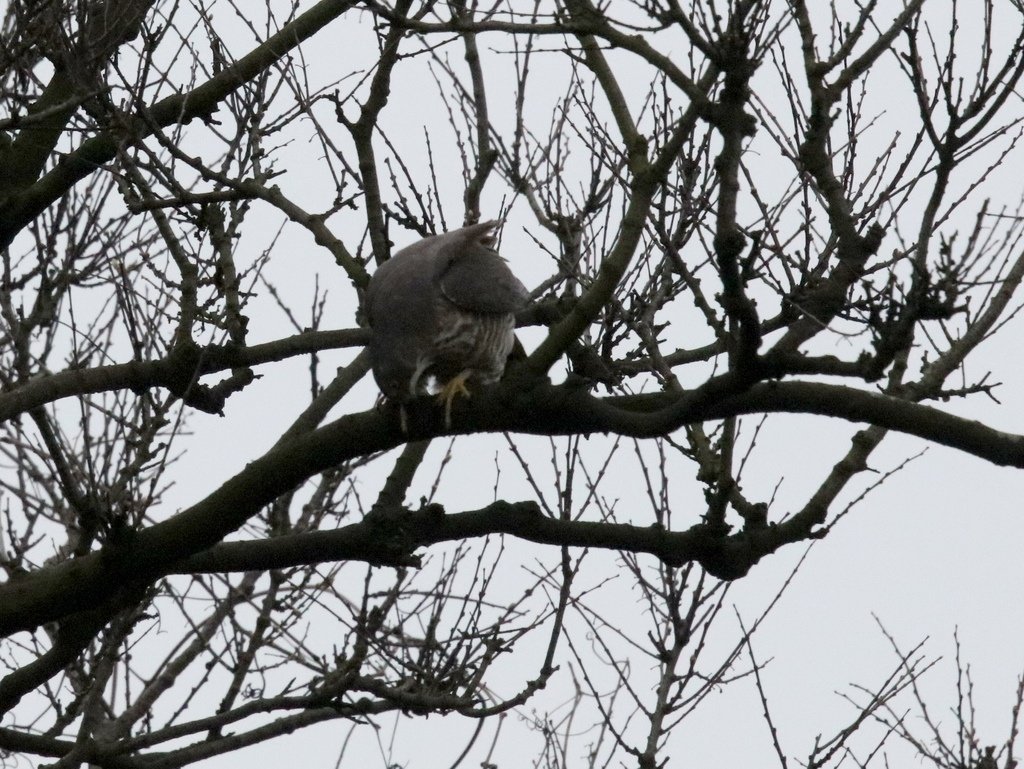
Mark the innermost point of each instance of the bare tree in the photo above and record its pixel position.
(742, 207)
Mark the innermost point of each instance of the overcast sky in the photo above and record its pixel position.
(935, 549)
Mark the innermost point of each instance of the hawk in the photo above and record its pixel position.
(442, 308)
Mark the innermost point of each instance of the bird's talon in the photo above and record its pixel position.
(446, 303)
(455, 386)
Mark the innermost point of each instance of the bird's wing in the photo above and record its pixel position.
(474, 277)
(400, 288)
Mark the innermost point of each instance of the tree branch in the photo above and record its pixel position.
(19, 210)
(56, 591)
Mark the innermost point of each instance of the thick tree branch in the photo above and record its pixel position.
(56, 591)
(20, 209)
(726, 557)
(110, 23)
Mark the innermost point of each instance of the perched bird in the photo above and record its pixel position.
(442, 309)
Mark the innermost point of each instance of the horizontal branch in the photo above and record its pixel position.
(391, 540)
(179, 367)
(563, 410)
(234, 741)
(56, 591)
(584, 24)
(14, 741)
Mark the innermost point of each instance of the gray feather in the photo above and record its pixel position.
(440, 307)
(474, 277)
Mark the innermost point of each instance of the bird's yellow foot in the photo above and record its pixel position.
(454, 386)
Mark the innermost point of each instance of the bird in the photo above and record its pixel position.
(442, 311)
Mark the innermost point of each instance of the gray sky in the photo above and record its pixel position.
(936, 548)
